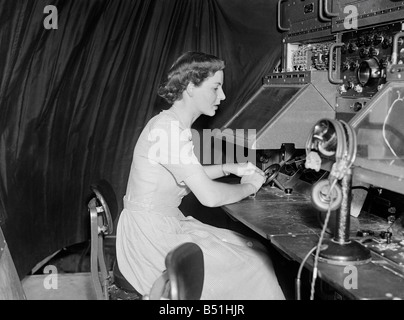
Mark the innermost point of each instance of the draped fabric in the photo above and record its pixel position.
(73, 100)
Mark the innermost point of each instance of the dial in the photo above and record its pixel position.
(368, 71)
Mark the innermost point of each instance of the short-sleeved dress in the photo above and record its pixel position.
(151, 224)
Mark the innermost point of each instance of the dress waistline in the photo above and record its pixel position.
(167, 210)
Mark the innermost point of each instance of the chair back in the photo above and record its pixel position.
(186, 272)
(184, 275)
(102, 207)
(106, 198)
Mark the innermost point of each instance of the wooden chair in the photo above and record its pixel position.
(184, 274)
(98, 284)
(103, 210)
(182, 279)
(101, 225)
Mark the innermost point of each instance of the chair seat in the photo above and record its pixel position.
(121, 282)
(117, 293)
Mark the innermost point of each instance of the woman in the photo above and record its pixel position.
(164, 170)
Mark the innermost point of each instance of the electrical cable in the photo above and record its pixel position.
(318, 247)
(315, 270)
(297, 287)
(385, 123)
(321, 222)
(360, 187)
(345, 155)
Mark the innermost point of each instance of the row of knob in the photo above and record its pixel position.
(352, 48)
(375, 40)
(350, 85)
(368, 47)
(352, 65)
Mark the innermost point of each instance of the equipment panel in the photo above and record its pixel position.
(365, 55)
(365, 13)
(307, 56)
(303, 20)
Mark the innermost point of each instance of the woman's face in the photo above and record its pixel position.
(209, 94)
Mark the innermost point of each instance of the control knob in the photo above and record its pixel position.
(360, 41)
(353, 65)
(345, 87)
(373, 52)
(358, 88)
(345, 66)
(352, 47)
(368, 40)
(363, 52)
(343, 49)
(377, 39)
(386, 42)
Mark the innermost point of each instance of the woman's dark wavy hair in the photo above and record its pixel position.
(191, 67)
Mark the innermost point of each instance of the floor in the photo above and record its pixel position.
(64, 286)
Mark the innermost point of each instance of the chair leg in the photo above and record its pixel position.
(103, 268)
(94, 250)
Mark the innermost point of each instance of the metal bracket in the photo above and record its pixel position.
(99, 209)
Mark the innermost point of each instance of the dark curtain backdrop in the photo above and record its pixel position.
(74, 100)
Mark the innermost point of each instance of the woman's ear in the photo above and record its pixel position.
(190, 89)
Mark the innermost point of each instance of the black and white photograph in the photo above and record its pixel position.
(199, 158)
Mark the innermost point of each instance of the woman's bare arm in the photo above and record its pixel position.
(215, 194)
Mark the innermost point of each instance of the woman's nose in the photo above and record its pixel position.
(222, 96)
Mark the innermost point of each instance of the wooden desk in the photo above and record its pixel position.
(290, 223)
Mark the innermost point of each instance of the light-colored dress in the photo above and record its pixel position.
(151, 224)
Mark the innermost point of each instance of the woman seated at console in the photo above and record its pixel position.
(164, 170)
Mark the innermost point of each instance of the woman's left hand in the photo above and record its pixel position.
(242, 169)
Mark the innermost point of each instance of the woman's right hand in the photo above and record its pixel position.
(255, 178)
(241, 169)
